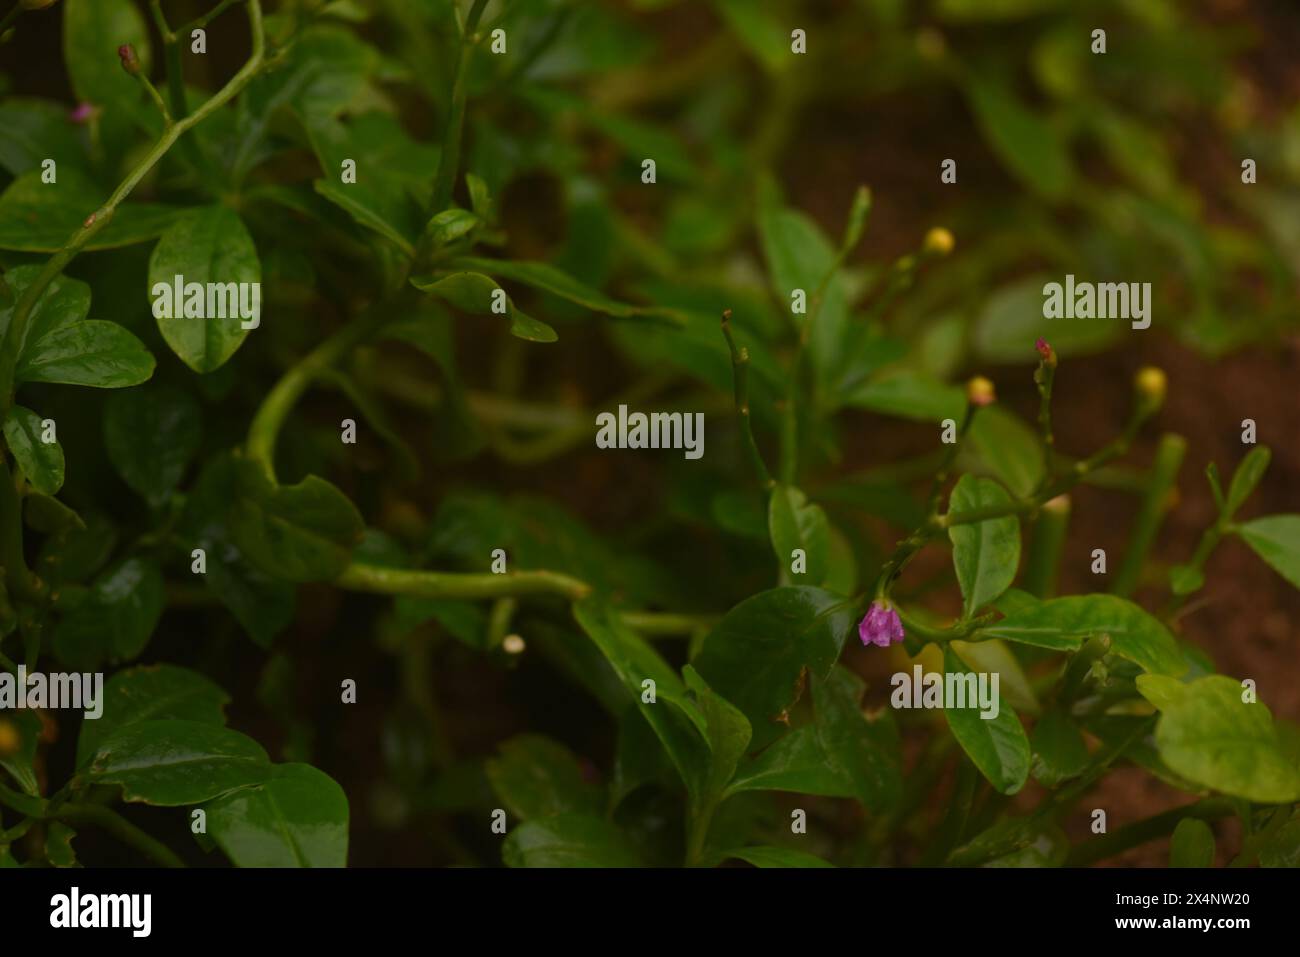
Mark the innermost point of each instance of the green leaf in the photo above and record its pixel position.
(450, 225)
(1025, 143)
(48, 515)
(761, 856)
(570, 840)
(472, 292)
(996, 656)
(211, 247)
(303, 532)
(985, 554)
(38, 217)
(535, 776)
(1284, 849)
(102, 355)
(151, 434)
(117, 618)
(860, 752)
(41, 461)
(758, 30)
(1001, 444)
(1192, 844)
(1059, 751)
(1062, 624)
(58, 845)
(151, 693)
(1209, 735)
(674, 718)
(548, 278)
(997, 746)
(21, 761)
(1276, 539)
(726, 732)
(173, 763)
(297, 818)
(910, 395)
(37, 130)
(756, 656)
(65, 301)
(1246, 477)
(92, 32)
(793, 522)
(1012, 318)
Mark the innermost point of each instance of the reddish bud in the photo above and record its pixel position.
(130, 62)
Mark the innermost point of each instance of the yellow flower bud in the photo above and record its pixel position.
(1151, 385)
(938, 242)
(10, 739)
(979, 391)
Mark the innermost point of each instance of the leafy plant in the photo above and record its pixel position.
(400, 272)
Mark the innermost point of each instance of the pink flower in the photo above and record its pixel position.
(82, 113)
(881, 626)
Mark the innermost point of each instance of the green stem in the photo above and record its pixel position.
(120, 828)
(430, 584)
(97, 220)
(449, 162)
(740, 375)
(1140, 832)
(264, 430)
(21, 582)
(1151, 513)
(1043, 564)
(652, 623)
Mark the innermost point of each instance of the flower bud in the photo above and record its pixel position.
(83, 113)
(938, 242)
(10, 740)
(1150, 385)
(881, 626)
(130, 62)
(979, 391)
(1046, 352)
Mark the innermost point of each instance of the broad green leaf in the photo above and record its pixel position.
(20, 762)
(674, 717)
(92, 32)
(65, 301)
(1059, 751)
(473, 292)
(1284, 849)
(1192, 844)
(795, 523)
(795, 762)
(116, 619)
(211, 247)
(48, 515)
(909, 395)
(985, 554)
(570, 840)
(37, 130)
(761, 856)
(757, 654)
(151, 693)
(799, 256)
(1026, 143)
(1012, 319)
(175, 762)
(548, 278)
(450, 225)
(726, 732)
(535, 776)
(150, 434)
(41, 461)
(102, 355)
(1276, 539)
(639, 758)
(997, 745)
(262, 604)
(1209, 735)
(1246, 477)
(762, 34)
(297, 818)
(38, 217)
(324, 70)
(77, 552)
(995, 656)
(1062, 624)
(303, 532)
(861, 751)
(1000, 444)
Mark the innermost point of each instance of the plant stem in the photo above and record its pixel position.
(97, 220)
(449, 162)
(740, 373)
(21, 582)
(430, 584)
(652, 623)
(1043, 564)
(1131, 835)
(120, 828)
(1155, 504)
(264, 430)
